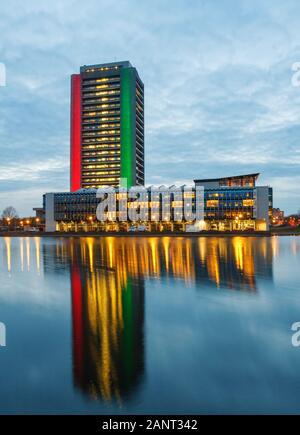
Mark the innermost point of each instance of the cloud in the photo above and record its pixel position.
(31, 171)
(218, 94)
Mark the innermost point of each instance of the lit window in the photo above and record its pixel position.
(212, 203)
(248, 202)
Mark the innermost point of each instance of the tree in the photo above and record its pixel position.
(9, 213)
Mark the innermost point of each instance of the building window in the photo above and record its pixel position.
(212, 203)
(248, 203)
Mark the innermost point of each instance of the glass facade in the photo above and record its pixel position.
(229, 203)
(109, 126)
(225, 209)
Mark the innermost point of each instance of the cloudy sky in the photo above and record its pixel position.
(219, 99)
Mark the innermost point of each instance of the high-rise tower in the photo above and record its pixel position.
(107, 126)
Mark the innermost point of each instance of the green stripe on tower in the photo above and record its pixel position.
(127, 122)
(128, 335)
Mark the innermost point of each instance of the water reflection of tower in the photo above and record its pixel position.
(107, 277)
(108, 322)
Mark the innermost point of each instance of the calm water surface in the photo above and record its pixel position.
(149, 325)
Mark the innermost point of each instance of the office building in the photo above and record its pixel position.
(229, 205)
(236, 203)
(107, 126)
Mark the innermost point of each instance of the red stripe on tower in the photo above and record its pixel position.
(77, 317)
(75, 176)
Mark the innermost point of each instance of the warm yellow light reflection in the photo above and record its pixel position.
(22, 253)
(28, 253)
(8, 252)
(37, 252)
(108, 277)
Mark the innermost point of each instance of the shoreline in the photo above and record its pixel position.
(137, 234)
(148, 234)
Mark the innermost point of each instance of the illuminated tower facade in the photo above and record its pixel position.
(107, 126)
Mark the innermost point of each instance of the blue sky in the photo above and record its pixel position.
(218, 94)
